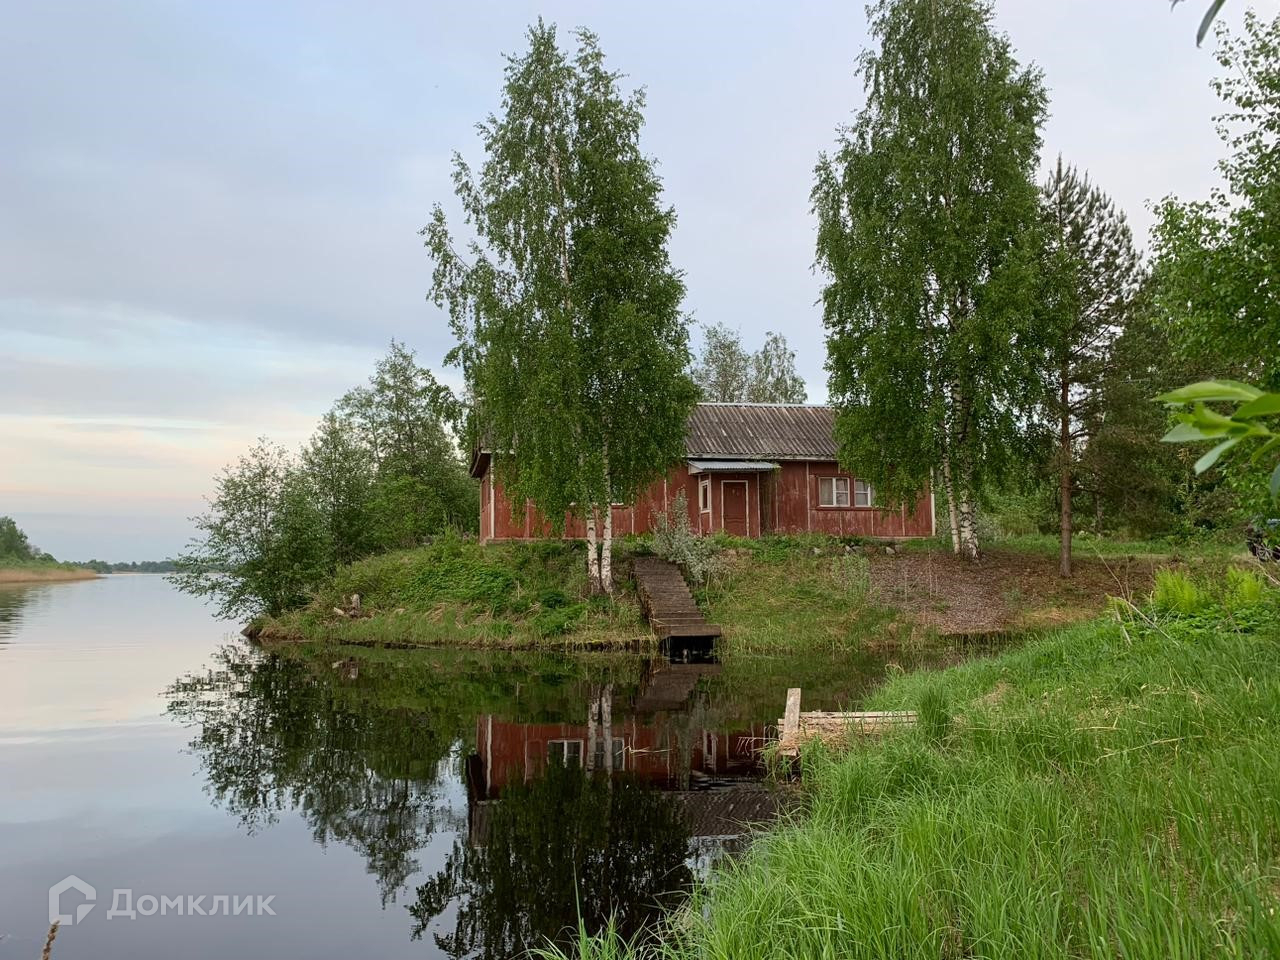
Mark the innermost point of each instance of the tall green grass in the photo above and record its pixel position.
(1111, 790)
(459, 593)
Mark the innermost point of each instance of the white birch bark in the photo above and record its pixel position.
(948, 485)
(606, 552)
(593, 554)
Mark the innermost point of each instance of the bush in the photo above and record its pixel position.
(674, 540)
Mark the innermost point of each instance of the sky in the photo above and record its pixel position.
(210, 211)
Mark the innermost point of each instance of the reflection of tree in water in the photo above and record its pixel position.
(12, 600)
(564, 845)
(274, 735)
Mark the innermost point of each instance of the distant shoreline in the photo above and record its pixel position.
(44, 575)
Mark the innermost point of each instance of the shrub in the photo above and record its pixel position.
(675, 540)
(1177, 593)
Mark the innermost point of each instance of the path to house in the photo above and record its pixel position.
(667, 602)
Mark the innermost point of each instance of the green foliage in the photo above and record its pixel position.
(262, 543)
(1175, 592)
(16, 548)
(927, 214)
(1248, 423)
(381, 472)
(1089, 276)
(727, 373)
(1215, 258)
(675, 540)
(566, 307)
(1244, 589)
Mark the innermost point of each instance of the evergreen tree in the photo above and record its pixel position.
(1089, 274)
(566, 307)
(926, 213)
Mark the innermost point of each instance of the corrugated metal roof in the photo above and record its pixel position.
(731, 466)
(761, 431)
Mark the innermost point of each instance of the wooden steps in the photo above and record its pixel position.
(838, 729)
(667, 602)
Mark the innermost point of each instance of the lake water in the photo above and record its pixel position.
(424, 804)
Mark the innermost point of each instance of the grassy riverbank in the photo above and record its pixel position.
(458, 593)
(776, 595)
(1109, 790)
(41, 572)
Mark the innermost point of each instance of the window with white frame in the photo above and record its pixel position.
(833, 491)
(704, 495)
(863, 495)
(565, 752)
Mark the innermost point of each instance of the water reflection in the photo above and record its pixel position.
(561, 787)
(566, 844)
(12, 601)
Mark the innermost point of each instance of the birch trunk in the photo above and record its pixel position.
(593, 554)
(968, 529)
(949, 487)
(606, 552)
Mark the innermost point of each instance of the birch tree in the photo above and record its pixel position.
(1089, 276)
(565, 304)
(926, 212)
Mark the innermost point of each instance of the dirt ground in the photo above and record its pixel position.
(1005, 590)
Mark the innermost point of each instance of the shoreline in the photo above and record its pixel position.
(50, 575)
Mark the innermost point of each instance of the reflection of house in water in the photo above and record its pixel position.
(660, 737)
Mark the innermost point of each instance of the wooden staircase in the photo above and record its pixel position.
(667, 602)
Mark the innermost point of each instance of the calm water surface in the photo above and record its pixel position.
(426, 804)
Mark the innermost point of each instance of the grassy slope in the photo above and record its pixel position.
(1110, 790)
(462, 594)
(771, 596)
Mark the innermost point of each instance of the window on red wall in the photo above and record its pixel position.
(833, 491)
(863, 494)
(704, 495)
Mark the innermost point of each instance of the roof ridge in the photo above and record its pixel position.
(752, 403)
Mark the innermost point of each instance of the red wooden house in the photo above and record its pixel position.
(749, 469)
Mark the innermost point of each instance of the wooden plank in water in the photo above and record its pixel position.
(796, 727)
(791, 717)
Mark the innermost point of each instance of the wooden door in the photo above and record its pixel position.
(734, 508)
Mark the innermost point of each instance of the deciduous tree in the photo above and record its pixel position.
(727, 373)
(926, 212)
(565, 305)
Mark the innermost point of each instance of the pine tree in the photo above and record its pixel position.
(566, 306)
(1089, 275)
(926, 213)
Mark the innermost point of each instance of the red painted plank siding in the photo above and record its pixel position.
(784, 501)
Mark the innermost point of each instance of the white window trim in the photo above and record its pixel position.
(704, 486)
(567, 740)
(835, 495)
(871, 494)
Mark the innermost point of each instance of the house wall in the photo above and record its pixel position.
(795, 507)
(784, 501)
